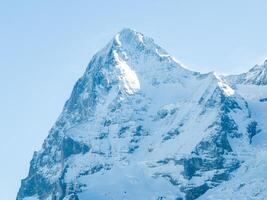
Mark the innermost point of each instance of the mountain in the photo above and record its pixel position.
(256, 76)
(138, 125)
(250, 180)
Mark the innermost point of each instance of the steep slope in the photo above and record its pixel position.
(139, 125)
(250, 180)
(252, 86)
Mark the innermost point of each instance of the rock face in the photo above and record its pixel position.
(138, 125)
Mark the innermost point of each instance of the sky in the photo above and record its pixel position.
(45, 47)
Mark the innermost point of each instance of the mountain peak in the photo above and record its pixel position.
(260, 67)
(128, 37)
(137, 121)
(257, 75)
(138, 51)
(128, 31)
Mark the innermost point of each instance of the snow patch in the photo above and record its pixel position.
(140, 37)
(117, 39)
(128, 76)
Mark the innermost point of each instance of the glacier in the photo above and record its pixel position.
(139, 125)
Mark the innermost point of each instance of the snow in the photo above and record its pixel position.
(249, 182)
(140, 37)
(128, 76)
(252, 95)
(126, 183)
(141, 113)
(117, 39)
(255, 76)
(32, 198)
(227, 89)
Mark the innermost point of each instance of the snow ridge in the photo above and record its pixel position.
(255, 76)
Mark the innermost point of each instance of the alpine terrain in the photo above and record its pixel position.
(138, 125)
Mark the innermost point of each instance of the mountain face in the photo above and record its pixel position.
(250, 180)
(138, 125)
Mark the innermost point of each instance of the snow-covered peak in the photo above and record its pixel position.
(255, 76)
(140, 125)
(145, 60)
(130, 63)
(129, 37)
(134, 46)
(258, 74)
(259, 68)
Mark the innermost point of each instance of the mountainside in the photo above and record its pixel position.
(250, 180)
(138, 125)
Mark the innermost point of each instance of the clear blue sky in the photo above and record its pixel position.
(46, 45)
